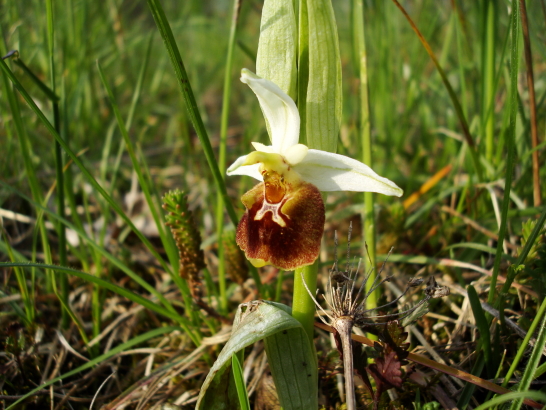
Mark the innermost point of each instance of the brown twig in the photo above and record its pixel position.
(537, 195)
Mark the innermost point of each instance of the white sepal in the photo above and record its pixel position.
(237, 168)
(334, 172)
(279, 109)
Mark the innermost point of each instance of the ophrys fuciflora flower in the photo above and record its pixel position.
(284, 218)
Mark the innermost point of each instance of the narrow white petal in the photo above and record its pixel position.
(258, 146)
(237, 168)
(295, 154)
(333, 172)
(279, 110)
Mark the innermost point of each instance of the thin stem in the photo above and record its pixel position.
(344, 327)
(58, 165)
(79, 163)
(488, 77)
(451, 92)
(369, 218)
(222, 153)
(193, 112)
(510, 147)
(537, 194)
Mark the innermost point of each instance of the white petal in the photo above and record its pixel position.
(237, 168)
(296, 153)
(263, 148)
(279, 110)
(333, 172)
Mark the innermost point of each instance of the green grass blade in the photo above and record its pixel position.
(99, 249)
(540, 370)
(26, 295)
(27, 153)
(488, 76)
(80, 165)
(102, 283)
(532, 395)
(143, 182)
(240, 383)
(510, 146)
(191, 104)
(58, 167)
(525, 344)
(532, 364)
(483, 327)
(49, 93)
(451, 92)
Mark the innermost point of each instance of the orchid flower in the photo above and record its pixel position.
(284, 218)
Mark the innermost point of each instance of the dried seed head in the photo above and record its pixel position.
(188, 240)
(434, 290)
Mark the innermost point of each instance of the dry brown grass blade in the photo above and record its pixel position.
(416, 358)
(432, 181)
(537, 194)
(458, 108)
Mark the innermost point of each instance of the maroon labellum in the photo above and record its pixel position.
(283, 223)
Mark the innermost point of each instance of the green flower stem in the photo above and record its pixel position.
(303, 307)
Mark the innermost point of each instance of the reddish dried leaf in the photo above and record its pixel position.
(387, 370)
(397, 334)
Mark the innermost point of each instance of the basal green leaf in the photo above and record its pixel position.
(292, 360)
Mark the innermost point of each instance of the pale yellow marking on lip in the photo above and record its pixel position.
(274, 209)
